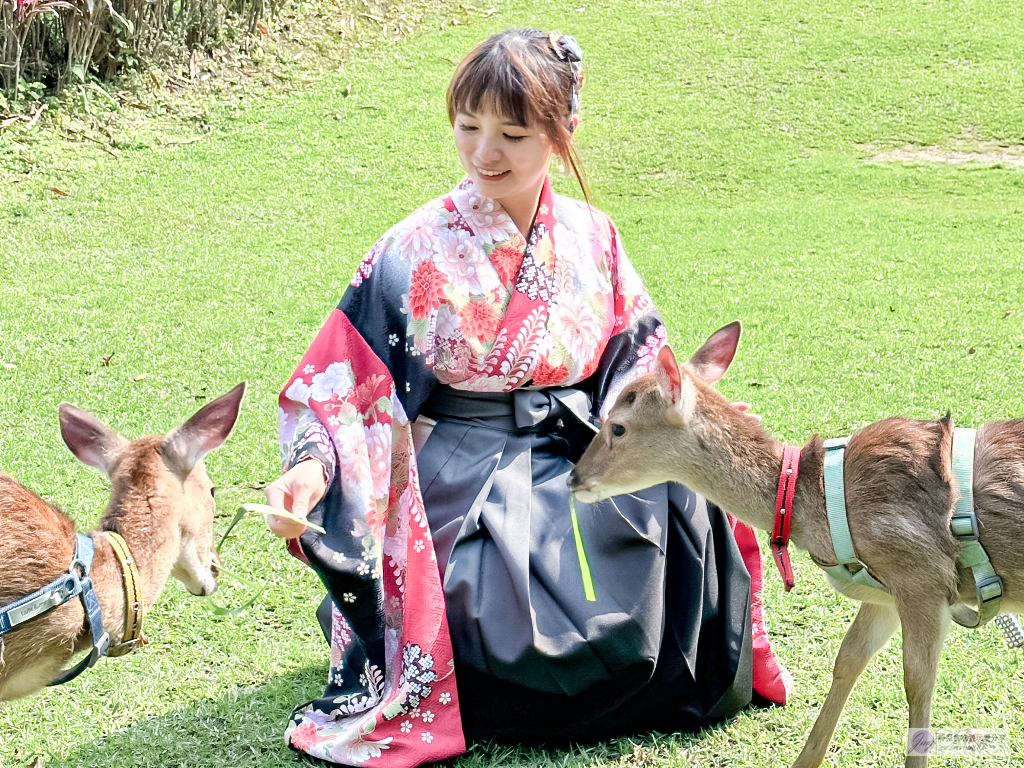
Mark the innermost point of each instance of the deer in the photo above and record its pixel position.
(674, 426)
(161, 507)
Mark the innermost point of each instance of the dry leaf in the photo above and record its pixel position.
(105, 360)
(141, 376)
(58, 192)
(37, 763)
(9, 366)
(263, 29)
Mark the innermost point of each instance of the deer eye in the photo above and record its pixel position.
(618, 430)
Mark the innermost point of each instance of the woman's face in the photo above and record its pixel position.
(507, 162)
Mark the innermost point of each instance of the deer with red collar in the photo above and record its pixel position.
(901, 502)
(158, 523)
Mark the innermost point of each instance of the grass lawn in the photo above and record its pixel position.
(730, 141)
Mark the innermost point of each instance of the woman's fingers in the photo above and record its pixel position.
(296, 491)
(744, 408)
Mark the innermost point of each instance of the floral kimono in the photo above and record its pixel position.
(456, 569)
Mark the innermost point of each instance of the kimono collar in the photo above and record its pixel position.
(473, 205)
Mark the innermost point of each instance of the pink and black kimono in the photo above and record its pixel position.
(463, 372)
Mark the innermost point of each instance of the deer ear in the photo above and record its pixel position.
(92, 441)
(206, 430)
(712, 360)
(668, 377)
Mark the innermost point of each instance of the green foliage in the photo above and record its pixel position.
(730, 141)
(53, 43)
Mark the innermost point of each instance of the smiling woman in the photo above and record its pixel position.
(506, 161)
(430, 430)
(512, 110)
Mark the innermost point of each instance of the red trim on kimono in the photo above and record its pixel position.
(410, 712)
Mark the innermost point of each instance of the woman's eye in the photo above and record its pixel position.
(618, 430)
(514, 138)
(467, 128)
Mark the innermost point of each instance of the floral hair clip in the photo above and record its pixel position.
(567, 49)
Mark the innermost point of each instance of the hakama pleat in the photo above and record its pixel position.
(665, 644)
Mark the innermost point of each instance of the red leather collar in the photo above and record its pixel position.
(784, 513)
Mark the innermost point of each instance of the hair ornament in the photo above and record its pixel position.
(567, 49)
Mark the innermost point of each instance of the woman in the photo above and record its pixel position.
(430, 428)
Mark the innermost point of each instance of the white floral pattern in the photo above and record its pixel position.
(575, 324)
(336, 381)
(484, 216)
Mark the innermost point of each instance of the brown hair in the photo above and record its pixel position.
(520, 73)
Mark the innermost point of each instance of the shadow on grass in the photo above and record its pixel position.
(242, 728)
(246, 728)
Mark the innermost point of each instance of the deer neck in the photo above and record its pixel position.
(151, 537)
(740, 473)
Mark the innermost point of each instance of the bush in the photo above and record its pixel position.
(55, 42)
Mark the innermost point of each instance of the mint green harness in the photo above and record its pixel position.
(964, 527)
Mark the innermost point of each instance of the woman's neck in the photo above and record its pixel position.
(522, 211)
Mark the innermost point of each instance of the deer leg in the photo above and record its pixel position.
(923, 635)
(871, 629)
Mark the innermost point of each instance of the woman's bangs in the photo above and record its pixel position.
(499, 90)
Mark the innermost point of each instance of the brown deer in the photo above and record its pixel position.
(674, 426)
(161, 503)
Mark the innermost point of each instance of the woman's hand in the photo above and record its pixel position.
(297, 491)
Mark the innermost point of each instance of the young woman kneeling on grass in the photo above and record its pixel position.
(430, 429)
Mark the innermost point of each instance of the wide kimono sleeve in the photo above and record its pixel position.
(391, 691)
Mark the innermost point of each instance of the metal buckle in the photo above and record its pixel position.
(835, 442)
(960, 523)
(982, 586)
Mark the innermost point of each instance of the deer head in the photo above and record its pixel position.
(161, 495)
(662, 424)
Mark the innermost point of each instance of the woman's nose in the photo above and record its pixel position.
(488, 149)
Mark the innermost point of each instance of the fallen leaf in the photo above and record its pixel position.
(1008, 314)
(105, 360)
(141, 376)
(58, 192)
(37, 763)
(970, 350)
(263, 29)
(9, 366)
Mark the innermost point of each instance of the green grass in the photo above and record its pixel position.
(727, 140)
